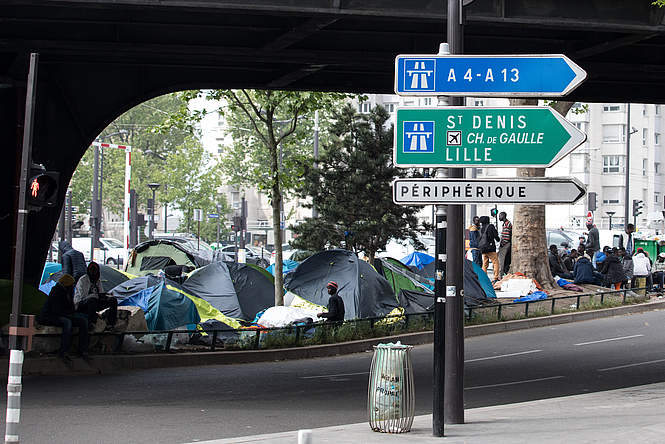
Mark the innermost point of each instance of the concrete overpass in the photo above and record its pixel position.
(99, 58)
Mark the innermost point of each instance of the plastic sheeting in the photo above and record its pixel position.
(365, 293)
(287, 266)
(213, 284)
(283, 316)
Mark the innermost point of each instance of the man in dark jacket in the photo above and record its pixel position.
(612, 268)
(585, 274)
(335, 304)
(570, 259)
(73, 261)
(487, 245)
(593, 242)
(556, 264)
(474, 234)
(58, 311)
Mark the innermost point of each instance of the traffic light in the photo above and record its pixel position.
(638, 205)
(42, 188)
(592, 201)
(494, 212)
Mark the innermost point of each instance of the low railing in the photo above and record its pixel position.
(256, 338)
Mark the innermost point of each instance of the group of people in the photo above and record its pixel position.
(611, 267)
(75, 300)
(483, 238)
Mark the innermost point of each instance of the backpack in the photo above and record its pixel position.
(483, 241)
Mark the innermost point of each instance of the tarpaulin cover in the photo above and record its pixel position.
(213, 284)
(287, 266)
(417, 259)
(49, 269)
(415, 301)
(254, 286)
(365, 293)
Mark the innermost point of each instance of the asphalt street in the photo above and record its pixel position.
(191, 404)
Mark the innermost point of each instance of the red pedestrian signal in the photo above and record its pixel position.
(43, 188)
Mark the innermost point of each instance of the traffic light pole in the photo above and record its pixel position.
(16, 355)
(627, 177)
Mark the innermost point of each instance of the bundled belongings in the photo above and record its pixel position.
(154, 255)
(365, 293)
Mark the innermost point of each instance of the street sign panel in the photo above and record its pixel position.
(532, 75)
(550, 190)
(473, 136)
(213, 216)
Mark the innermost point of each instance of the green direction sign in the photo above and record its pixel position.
(471, 136)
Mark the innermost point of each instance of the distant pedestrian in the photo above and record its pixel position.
(487, 245)
(474, 235)
(335, 311)
(89, 297)
(73, 261)
(59, 311)
(593, 242)
(505, 244)
(630, 242)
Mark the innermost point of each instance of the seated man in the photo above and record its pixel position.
(659, 271)
(584, 272)
(58, 311)
(89, 297)
(556, 265)
(569, 261)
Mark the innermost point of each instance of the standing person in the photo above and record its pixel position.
(73, 261)
(659, 271)
(593, 243)
(505, 244)
(335, 304)
(58, 311)
(474, 234)
(89, 297)
(487, 245)
(630, 242)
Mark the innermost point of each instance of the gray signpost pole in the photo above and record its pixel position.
(454, 317)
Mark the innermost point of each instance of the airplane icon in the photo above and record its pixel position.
(454, 138)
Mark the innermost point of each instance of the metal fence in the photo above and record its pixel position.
(257, 338)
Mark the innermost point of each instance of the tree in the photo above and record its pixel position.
(352, 188)
(268, 133)
(529, 242)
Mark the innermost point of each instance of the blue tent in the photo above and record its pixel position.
(417, 259)
(287, 266)
(484, 280)
(49, 269)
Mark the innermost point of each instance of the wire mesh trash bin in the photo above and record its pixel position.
(391, 395)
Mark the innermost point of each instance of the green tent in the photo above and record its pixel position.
(151, 256)
(400, 277)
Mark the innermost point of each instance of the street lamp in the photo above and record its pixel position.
(153, 186)
(610, 214)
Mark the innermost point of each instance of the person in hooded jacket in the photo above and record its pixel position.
(73, 261)
(89, 297)
(612, 268)
(58, 311)
(487, 244)
(641, 266)
(584, 272)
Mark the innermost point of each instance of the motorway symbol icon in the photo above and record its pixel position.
(531, 75)
(418, 137)
(546, 190)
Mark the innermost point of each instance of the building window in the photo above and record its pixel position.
(644, 167)
(613, 164)
(658, 110)
(645, 136)
(611, 108)
(656, 168)
(612, 195)
(578, 163)
(390, 107)
(656, 198)
(427, 101)
(364, 107)
(644, 110)
(656, 138)
(614, 133)
(478, 103)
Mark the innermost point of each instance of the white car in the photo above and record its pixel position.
(112, 251)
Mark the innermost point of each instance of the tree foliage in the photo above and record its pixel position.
(352, 188)
(263, 123)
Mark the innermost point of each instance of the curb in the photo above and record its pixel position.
(118, 363)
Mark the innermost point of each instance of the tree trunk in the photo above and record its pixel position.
(529, 241)
(276, 202)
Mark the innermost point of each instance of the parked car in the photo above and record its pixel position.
(562, 239)
(111, 252)
(251, 255)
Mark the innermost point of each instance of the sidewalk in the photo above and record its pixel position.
(633, 414)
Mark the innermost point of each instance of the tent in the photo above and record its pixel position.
(254, 286)
(151, 256)
(401, 277)
(167, 305)
(364, 291)
(213, 284)
(417, 259)
(415, 301)
(287, 267)
(109, 276)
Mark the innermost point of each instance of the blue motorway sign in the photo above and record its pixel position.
(213, 216)
(535, 75)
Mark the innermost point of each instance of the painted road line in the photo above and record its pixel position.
(334, 376)
(610, 340)
(503, 356)
(526, 381)
(618, 367)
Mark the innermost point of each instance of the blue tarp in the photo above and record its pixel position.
(287, 266)
(49, 269)
(535, 296)
(417, 259)
(46, 288)
(484, 281)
